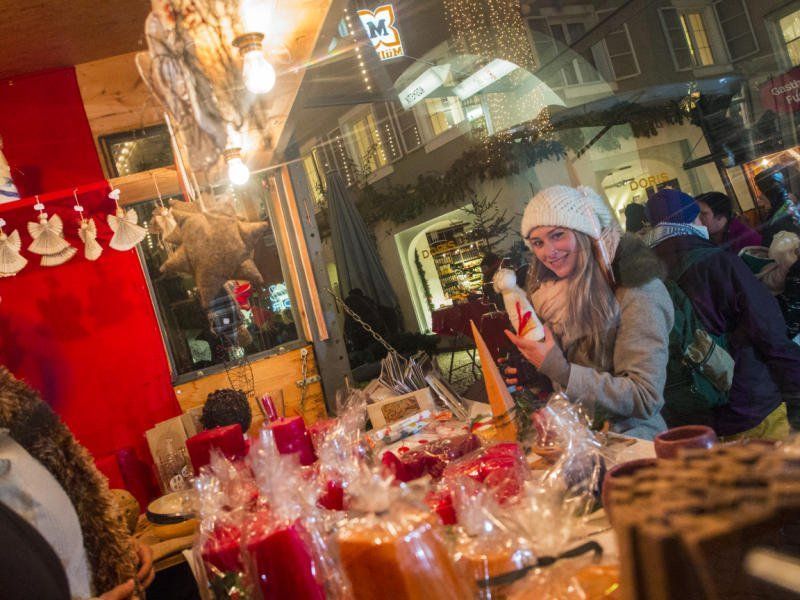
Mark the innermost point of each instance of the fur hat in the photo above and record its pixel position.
(580, 209)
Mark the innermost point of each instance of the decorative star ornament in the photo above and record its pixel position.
(213, 247)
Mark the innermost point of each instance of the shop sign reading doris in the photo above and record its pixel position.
(382, 32)
(782, 93)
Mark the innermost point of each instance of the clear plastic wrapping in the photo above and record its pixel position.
(285, 545)
(431, 459)
(484, 547)
(394, 548)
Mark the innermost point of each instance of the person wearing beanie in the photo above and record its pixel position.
(607, 315)
(730, 301)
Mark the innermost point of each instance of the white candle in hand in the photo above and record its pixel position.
(519, 309)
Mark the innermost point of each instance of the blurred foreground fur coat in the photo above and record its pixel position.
(35, 427)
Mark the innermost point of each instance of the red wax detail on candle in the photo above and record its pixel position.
(221, 549)
(403, 449)
(291, 436)
(284, 567)
(441, 502)
(333, 498)
(269, 407)
(228, 440)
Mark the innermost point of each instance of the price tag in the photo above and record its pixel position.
(78, 208)
(38, 206)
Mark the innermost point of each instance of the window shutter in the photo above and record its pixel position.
(410, 134)
(737, 29)
(341, 158)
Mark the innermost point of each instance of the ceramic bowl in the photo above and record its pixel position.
(670, 442)
(620, 471)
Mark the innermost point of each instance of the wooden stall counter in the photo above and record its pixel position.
(279, 375)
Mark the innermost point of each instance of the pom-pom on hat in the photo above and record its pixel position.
(671, 206)
(580, 209)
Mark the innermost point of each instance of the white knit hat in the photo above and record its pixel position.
(581, 209)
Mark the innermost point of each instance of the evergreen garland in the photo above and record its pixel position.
(425, 287)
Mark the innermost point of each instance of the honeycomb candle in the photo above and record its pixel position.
(519, 309)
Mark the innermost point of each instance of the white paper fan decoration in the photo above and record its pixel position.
(53, 260)
(124, 224)
(47, 235)
(11, 261)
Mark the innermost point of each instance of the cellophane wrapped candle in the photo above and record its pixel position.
(501, 469)
(432, 459)
(285, 545)
(394, 549)
(341, 449)
(218, 544)
(484, 547)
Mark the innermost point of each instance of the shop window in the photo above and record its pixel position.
(135, 151)
(737, 28)
(363, 141)
(790, 32)
(442, 113)
(621, 55)
(245, 319)
(314, 178)
(688, 38)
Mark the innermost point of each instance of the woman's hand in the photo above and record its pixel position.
(146, 572)
(534, 352)
(124, 591)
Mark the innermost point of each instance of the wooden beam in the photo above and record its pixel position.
(140, 187)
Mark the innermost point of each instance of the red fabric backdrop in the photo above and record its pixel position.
(84, 333)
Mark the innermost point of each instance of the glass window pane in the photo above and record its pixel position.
(243, 316)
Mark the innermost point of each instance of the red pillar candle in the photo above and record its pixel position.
(291, 436)
(228, 440)
(283, 565)
(221, 550)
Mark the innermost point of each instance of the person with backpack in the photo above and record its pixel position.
(721, 308)
(606, 312)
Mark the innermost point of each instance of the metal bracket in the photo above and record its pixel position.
(301, 383)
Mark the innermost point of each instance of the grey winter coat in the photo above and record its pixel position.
(633, 393)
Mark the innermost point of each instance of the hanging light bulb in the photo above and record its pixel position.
(256, 15)
(258, 73)
(238, 173)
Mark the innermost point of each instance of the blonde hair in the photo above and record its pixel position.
(592, 307)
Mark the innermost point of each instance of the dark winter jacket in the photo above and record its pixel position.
(728, 299)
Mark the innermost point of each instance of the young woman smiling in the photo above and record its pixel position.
(607, 314)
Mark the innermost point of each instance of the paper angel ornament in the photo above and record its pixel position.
(163, 221)
(519, 309)
(88, 234)
(48, 239)
(125, 225)
(11, 261)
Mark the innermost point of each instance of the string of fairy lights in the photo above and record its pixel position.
(496, 29)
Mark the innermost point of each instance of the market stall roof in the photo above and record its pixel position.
(35, 36)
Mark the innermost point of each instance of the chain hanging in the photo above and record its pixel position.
(375, 335)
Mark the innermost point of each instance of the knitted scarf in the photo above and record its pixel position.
(664, 231)
(35, 427)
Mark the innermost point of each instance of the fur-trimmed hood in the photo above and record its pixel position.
(35, 427)
(635, 264)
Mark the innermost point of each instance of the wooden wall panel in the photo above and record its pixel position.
(275, 374)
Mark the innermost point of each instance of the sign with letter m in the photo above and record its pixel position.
(382, 32)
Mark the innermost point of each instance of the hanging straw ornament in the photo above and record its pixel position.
(163, 221)
(48, 239)
(125, 225)
(87, 231)
(11, 261)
